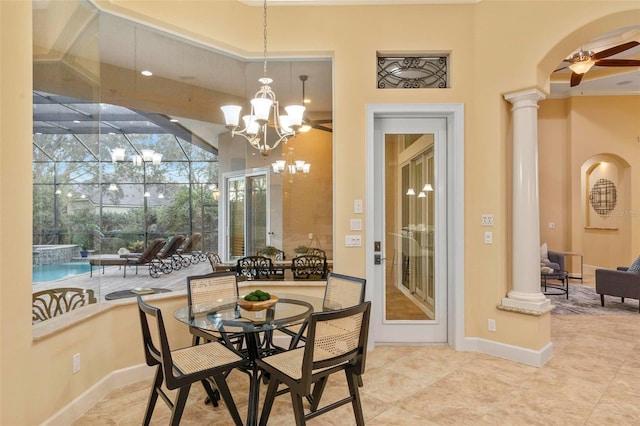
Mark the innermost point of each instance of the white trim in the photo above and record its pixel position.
(96, 393)
(454, 113)
(514, 353)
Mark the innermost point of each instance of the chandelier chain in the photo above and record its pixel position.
(265, 38)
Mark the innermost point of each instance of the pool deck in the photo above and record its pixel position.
(112, 280)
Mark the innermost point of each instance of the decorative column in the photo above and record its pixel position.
(525, 293)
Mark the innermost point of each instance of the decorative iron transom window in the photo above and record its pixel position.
(603, 196)
(413, 72)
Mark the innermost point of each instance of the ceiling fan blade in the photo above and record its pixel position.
(618, 63)
(615, 50)
(575, 79)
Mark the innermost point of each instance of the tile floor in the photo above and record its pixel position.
(592, 379)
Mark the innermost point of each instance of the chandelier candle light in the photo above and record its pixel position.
(290, 167)
(257, 122)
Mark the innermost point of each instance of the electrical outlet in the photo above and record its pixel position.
(76, 364)
(487, 220)
(488, 237)
(491, 324)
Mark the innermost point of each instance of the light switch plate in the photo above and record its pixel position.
(357, 206)
(352, 241)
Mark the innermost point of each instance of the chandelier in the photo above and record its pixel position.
(290, 167)
(256, 123)
(147, 155)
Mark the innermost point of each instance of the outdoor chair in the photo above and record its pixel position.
(276, 273)
(188, 252)
(180, 368)
(309, 267)
(166, 257)
(146, 258)
(336, 341)
(254, 268)
(57, 301)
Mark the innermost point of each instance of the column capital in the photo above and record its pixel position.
(530, 95)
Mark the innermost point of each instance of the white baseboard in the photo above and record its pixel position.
(514, 353)
(96, 393)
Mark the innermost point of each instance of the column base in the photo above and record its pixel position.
(535, 302)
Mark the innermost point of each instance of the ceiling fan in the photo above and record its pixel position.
(308, 123)
(582, 61)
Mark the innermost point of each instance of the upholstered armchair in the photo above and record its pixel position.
(620, 283)
(556, 261)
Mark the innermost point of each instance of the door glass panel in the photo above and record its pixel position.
(257, 211)
(236, 217)
(409, 225)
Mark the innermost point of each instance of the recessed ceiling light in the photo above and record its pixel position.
(174, 120)
(146, 73)
(307, 101)
(622, 83)
(76, 121)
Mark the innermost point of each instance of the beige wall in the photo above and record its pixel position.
(497, 48)
(574, 134)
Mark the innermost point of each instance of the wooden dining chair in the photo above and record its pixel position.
(180, 368)
(336, 341)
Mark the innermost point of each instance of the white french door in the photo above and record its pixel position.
(245, 218)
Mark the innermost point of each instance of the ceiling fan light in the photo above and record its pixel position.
(582, 66)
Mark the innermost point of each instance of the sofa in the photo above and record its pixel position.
(619, 283)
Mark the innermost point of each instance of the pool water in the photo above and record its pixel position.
(44, 273)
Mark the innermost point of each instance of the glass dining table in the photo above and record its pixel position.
(227, 317)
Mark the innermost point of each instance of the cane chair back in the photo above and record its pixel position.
(336, 341)
(343, 291)
(180, 368)
(47, 304)
(206, 288)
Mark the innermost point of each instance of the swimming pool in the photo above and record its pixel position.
(45, 273)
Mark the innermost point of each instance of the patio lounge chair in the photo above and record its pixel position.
(147, 258)
(167, 256)
(188, 252)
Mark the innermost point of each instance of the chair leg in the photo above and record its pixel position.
(153, 396)
(178, 406)
(622, 299)
(223, 388)
(316, 394)
(212, 397)
(268, 400)
(352, 380)
(360, 383)
(602, 300)
(298, 409)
